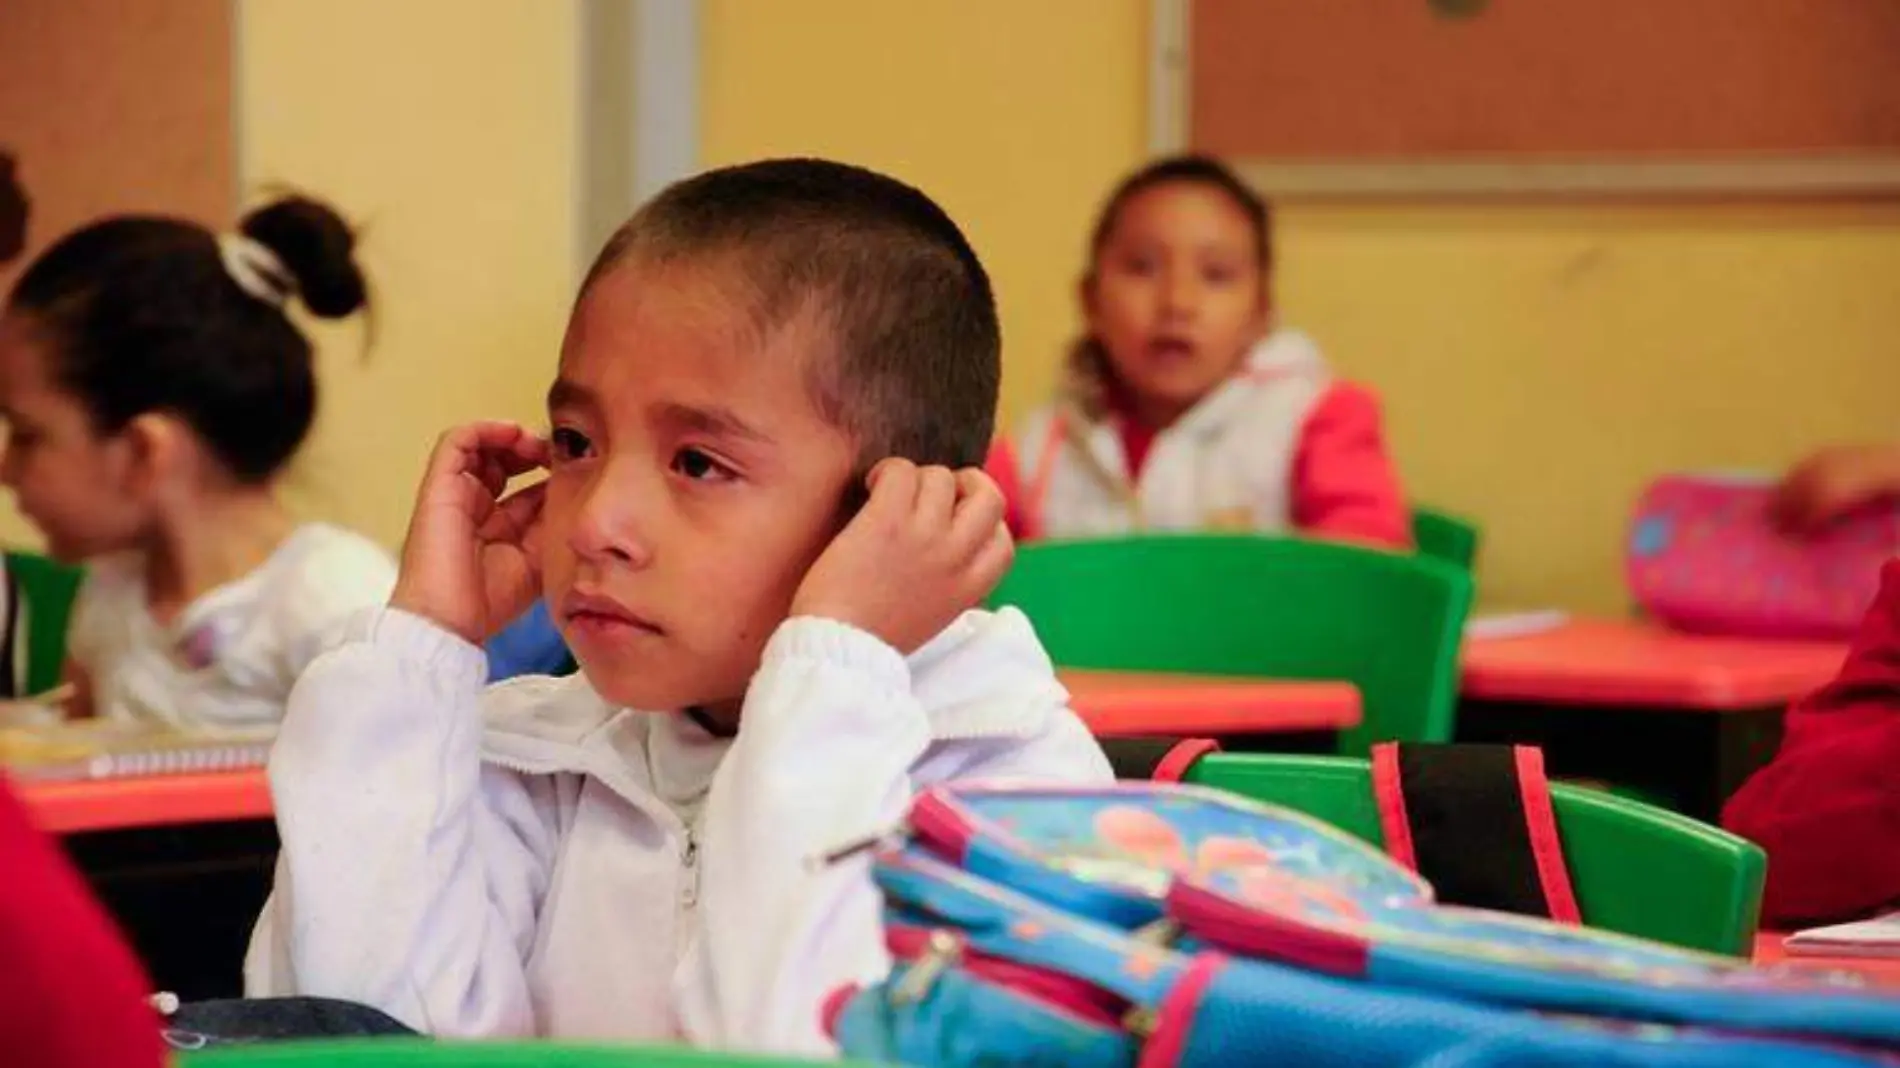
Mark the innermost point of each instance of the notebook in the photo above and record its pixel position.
(1514, 624)
(91, 750)
(1878, 937)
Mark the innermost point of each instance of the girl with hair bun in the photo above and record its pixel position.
(153, 388)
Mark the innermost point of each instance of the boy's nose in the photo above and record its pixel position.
(605, 529)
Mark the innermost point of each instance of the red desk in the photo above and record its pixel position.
(1119, 704)
(1684, 717)
(155, 801)
(1112, 703)
(1640, 665)
(1882, 971)
(182, 862)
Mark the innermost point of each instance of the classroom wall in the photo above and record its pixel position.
(1541, 363)
(1016, 116)
(157, 76)
(446, 128)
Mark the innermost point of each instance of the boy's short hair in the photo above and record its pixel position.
(916, 349)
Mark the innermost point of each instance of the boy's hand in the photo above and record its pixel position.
(1834, 482)
(928, 545)
(468, 564)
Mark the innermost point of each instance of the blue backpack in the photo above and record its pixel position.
(1163, 926)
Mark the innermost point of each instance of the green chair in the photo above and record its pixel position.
(46, 589)
(1253, 606)
(1636, 869)
(1441, 536)
(421, 1053)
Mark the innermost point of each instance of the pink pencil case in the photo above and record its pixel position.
(1705, 555)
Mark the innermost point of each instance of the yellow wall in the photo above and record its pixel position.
(1540, 363)
(1016, 116)
(446, 128)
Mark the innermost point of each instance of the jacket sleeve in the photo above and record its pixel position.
(1827, 808)
(410, 874)
(829, 735)
(1345, 486)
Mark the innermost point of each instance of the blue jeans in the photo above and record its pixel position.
(232, 1022)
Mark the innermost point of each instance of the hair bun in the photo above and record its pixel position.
(316, 246)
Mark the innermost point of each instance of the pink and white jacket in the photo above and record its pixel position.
(1281, 447)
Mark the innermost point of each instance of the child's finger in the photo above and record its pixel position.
(466, 492)
(980, 506)
(530, 452)
(520, 511)
(526, 453)
(936, 497)
(461, 449)
(491, 435)
(893, 484)
(493, 475)
(974, 482)
(991, 562)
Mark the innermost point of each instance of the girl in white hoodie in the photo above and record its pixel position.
(763, 539)
(1185, 408)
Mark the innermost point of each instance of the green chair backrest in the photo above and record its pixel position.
(422, 1053)
(1255, 606)
(1441, 536)
(1636, 868)
(47, 590)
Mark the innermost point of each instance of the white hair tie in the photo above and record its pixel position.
(256, 269)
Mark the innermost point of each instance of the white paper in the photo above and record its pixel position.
(1491, 625)
(1878, 937)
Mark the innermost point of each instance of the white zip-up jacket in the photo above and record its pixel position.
(533, 861)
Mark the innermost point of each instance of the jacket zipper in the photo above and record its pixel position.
(689, 860)
(688, 898)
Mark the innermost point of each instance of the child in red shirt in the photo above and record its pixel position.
(1827, 809)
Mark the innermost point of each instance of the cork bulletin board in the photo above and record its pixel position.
(115, 106)
(1400, 96)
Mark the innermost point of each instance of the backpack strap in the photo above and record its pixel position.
(1155, 759)
(1476, 821)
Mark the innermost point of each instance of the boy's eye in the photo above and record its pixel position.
(569, 444)
(1220, 274)
(699, 467)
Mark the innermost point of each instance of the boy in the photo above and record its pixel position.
(763, 530)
